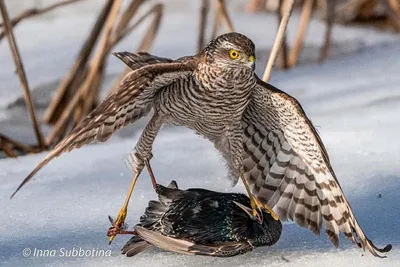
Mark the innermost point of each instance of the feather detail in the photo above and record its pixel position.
(288, 168)
(132, 100)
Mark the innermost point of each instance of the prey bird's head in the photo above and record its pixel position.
(263, 213)
(263, 228)
(230, 50)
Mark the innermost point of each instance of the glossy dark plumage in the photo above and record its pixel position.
(202, 222)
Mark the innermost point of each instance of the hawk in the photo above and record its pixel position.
(263, 133)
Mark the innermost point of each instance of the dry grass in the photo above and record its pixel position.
(78, 91)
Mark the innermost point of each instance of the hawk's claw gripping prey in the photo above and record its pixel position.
(257, 207)
(117, 229)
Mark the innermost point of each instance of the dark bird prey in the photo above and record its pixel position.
(263, 133)
(202, 222)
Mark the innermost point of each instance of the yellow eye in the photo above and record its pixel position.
(234, 54)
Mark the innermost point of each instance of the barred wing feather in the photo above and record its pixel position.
(288, 168)
(132, 100)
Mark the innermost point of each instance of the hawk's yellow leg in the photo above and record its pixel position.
(124, 210)
(255, 204)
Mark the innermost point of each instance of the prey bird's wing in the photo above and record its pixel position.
(288, 166)
(164, 242)
(227, 249)
(183, 246)
(132, 100)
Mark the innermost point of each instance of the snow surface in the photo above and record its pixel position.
(354, 101)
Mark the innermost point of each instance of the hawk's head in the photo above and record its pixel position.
(231, 50)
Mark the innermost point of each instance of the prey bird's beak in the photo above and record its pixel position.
(259, 218)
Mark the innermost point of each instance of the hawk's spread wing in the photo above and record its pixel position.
(288, 166)
(131, 101)
(141, 59)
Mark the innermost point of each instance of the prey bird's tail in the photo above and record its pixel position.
(134, 246)
(156, 209)
(149, 220)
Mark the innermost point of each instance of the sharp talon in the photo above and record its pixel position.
(273, 214)
(256, 209)
(111, 231)
(111, 239)
(257, 205)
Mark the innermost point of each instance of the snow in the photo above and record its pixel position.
(354, 101)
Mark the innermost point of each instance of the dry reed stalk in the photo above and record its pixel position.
(278, 40)
(351, 9)
(393, 10)
(330, 18)
(224, 14)
(84, 89)
(122, 30)
(284, 50)
(148, 39)
(365, 11)
(21, 74)
(84, 99)
(395, 6)
(205, 6)
(304, 21)
(66, 88)
(5, 147)
(90, 101)
(216, 24)
(92, 90)
(221, 13)
(8, 145)
(35, 12)
(126, 17)
(256, 5)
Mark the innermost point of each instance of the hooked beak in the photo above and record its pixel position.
(259, 218)
(252, 62)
